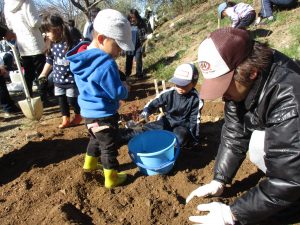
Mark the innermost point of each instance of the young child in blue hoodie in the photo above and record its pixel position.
(98, 80)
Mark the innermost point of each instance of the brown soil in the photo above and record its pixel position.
(42, 181)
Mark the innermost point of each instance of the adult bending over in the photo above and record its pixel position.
(22, 17)
(260, 87)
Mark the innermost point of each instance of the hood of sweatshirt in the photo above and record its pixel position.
(98, 80)
(85, 62)
(14, 5)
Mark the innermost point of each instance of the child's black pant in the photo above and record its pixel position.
(138, 54)
(106, 138)
(65, 102)
(182, 133)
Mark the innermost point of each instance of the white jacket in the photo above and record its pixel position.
(21, 16)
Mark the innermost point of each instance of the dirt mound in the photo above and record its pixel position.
(42, 181)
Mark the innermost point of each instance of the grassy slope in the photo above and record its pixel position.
(179, 44)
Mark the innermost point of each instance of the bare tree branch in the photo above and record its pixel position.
(79, 6)
(95, 3)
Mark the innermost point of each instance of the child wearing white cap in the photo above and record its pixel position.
(98, 80)
(181, 106)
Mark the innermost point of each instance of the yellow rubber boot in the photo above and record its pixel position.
(91, 163)
(113, 178)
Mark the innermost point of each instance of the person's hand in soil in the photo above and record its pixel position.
(214, 188)
(144, 116)
(219, 214)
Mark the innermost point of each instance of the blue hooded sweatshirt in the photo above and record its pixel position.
(97, 78)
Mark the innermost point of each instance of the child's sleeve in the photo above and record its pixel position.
(49, 59)
(233, 16)
(195, 119)
(112, 84)
(155, 103)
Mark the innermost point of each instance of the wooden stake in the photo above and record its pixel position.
(156, 87)
(163, 83)
(157, 93)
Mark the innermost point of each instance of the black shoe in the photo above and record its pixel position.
(14, 110)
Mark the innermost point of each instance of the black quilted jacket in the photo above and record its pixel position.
(273, 105)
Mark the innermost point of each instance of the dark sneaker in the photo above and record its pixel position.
(14, 110)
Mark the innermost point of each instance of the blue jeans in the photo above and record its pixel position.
(266, 6)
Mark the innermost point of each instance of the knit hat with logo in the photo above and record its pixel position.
(218, 57)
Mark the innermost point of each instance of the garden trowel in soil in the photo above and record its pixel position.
(32, 108)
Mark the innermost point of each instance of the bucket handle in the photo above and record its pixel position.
(177, 150)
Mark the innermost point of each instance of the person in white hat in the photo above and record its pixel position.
(260, 87)
(182, 106)
(22, 18)
(98, 80)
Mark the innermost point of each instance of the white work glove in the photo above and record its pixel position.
(145, 115)
(214, 188)
(219, 214)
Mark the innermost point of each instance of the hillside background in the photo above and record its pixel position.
(177, 40)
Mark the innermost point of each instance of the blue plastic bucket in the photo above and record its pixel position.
(154, 152)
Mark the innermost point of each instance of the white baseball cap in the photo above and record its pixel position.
(184, 74)
(113, 24)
